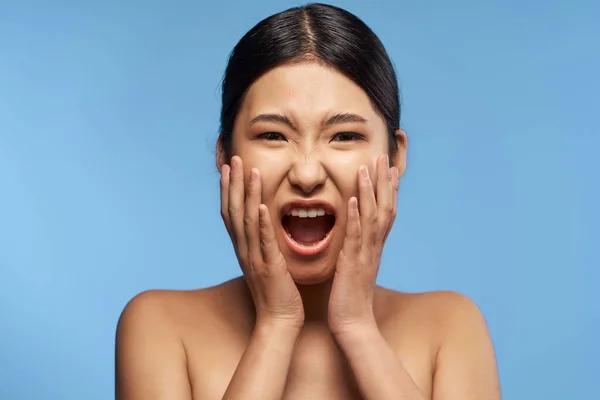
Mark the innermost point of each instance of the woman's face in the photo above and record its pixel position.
(307, 129)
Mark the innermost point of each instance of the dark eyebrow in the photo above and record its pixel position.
(276, 118)
(344, 118)
(340, 118)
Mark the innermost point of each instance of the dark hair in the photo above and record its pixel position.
(318, 32)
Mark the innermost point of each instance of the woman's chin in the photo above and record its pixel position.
(311, 273)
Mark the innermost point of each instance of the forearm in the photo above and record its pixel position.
(378, 372)
(262, 371)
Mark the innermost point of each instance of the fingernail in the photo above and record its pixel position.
(364, 172)
(253, 174)
(354, 203)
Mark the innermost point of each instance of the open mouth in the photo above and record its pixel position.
(308, 228)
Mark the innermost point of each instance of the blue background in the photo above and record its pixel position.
(108, 119)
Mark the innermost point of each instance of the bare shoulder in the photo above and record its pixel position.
(435, 310)
(151, 355)
(443, 311)
(455, 314)
(465, 364)
(173, 312)
(446, 309)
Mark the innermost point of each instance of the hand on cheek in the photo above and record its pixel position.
(250, 227)
(369, 221)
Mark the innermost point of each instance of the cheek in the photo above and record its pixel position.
(343, 170)
(273, 170)
(270, 183)
(269, 164)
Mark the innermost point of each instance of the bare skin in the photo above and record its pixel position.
(299, 327)
(187, 345)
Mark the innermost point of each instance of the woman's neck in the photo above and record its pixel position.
(315, 299)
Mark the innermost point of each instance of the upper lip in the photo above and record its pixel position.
(312, 203)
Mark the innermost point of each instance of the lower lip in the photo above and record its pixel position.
(312, 250)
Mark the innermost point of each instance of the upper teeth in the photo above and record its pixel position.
(307, 212)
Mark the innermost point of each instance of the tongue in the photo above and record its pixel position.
(308, 230)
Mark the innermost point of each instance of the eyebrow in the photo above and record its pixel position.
(339, 118)
(343, 118)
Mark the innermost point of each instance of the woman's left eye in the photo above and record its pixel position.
(346, 136)
(272, 136)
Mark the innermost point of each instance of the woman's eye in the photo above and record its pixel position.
(346, 136)
(271, 136)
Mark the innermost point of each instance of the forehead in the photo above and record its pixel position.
(307, 91)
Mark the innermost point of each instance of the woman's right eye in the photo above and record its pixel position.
(271, 136)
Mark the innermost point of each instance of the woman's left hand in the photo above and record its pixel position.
(369, 221)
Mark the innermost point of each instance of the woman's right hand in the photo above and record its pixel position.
(248, 223)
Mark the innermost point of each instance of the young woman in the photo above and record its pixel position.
(310, 155)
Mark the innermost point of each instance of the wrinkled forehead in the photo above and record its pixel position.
(307, 91)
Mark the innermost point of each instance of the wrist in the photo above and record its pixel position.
(356, 333)
(359, 342)
(277, 330)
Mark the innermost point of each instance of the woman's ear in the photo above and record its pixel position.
(221, 154)
(399, 157)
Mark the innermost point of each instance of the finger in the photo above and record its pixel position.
(251, 227)
(352, 241)
(395, 188)
(224, 182)
(268, 244)
(235, 206)
(385, 195)
(367, 208)
(395, 185)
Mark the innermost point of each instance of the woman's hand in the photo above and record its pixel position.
(248, 223)
(368, 224)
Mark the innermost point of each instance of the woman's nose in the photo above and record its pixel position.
(308, 174)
